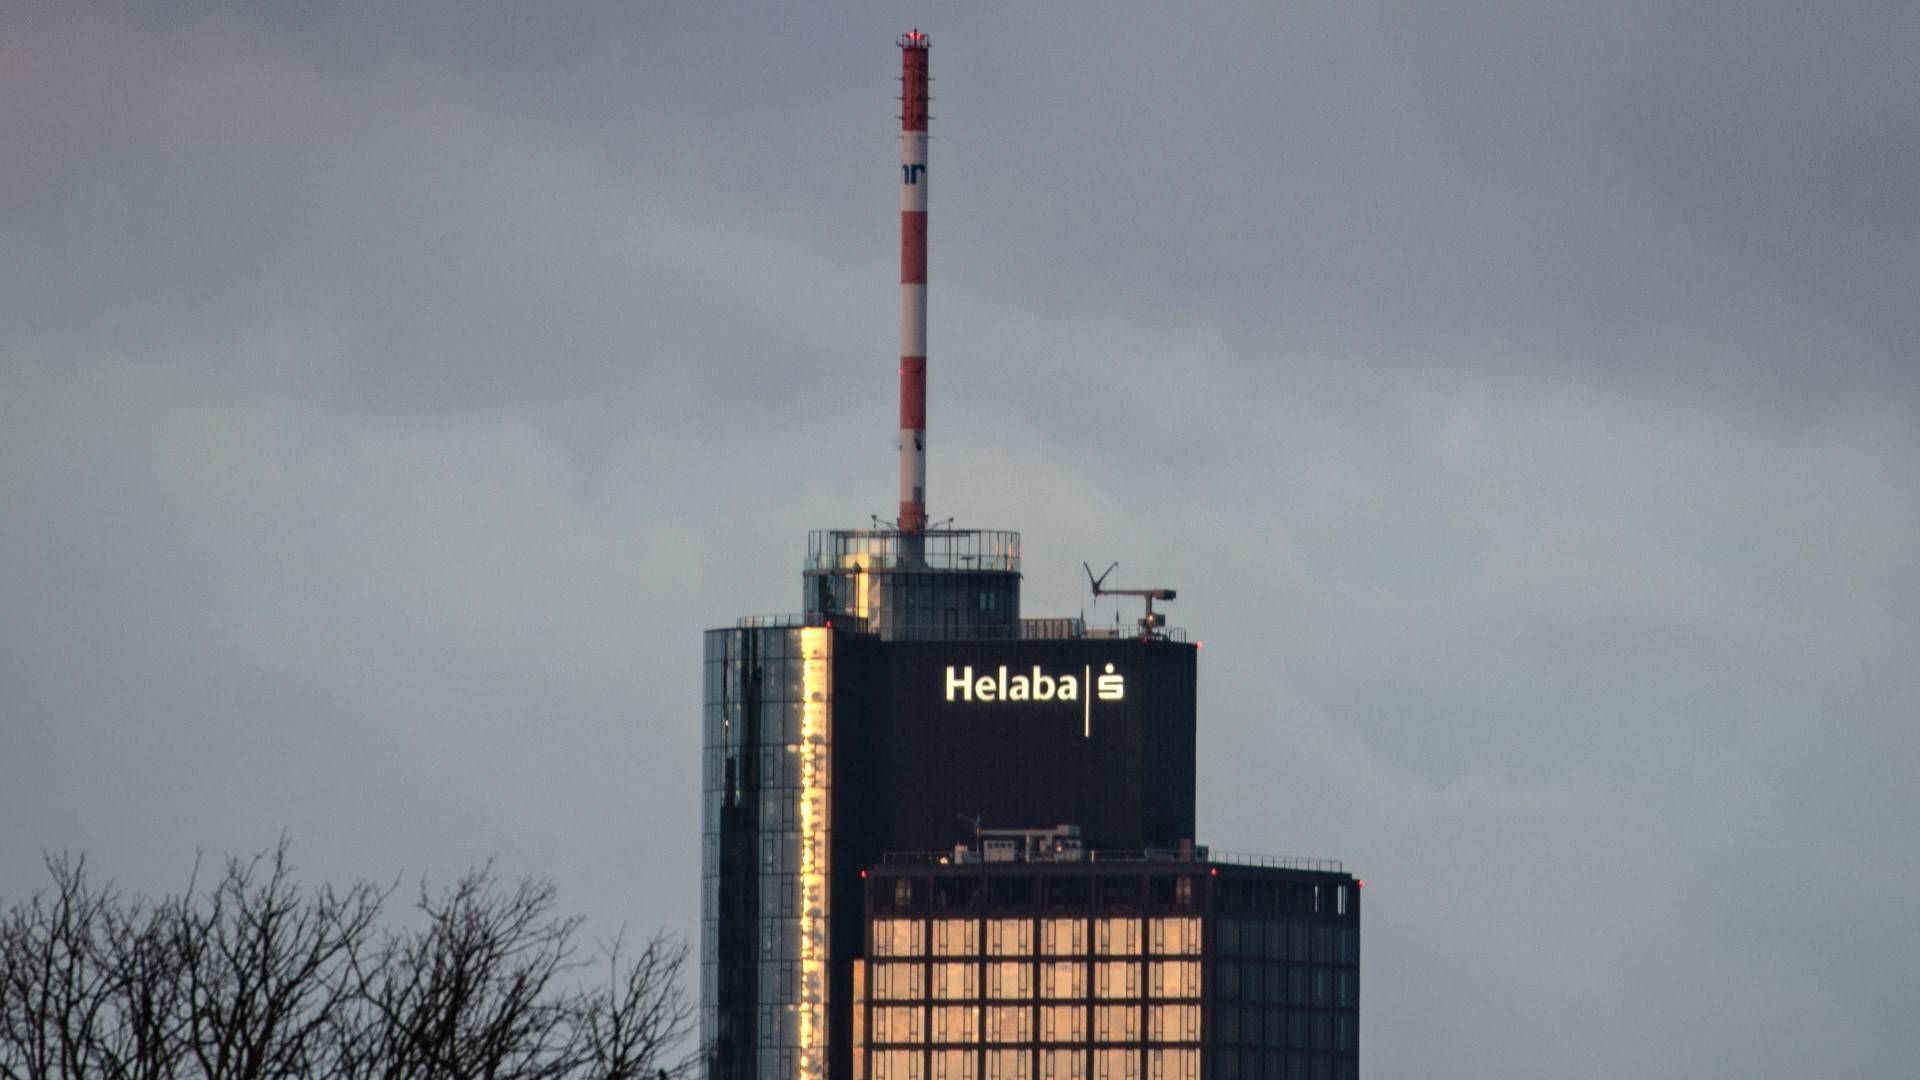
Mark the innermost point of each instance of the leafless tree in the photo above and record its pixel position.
(639, 1026)
(264, 964)
(261, 977)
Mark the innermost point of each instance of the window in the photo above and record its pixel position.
(903, 892)
(1009, 1065)
(1063, 937)
(956, 937)
(1063, 1023)
(956, 1023)
(897, 937)
(897, 1024)
(896, 1065)
(1009, 937)
(956, 982)
(1116, 1023)
(1116, 979)
(953, 1065)
(898, 982)
(1116, 1065)
(1226, 980)
(1063, 1065)
(1227, 939)
(1250, 987)
(1063, 979)
(1009, 1023)
(1116, 937)
(1173, 1023)
(1174, 979)
(1172, 1064)
(1010, 979)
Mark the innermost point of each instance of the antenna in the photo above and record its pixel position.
(1151, 624)
(913, 281)
(975, 822)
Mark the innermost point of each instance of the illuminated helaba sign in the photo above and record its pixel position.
(1039, 687)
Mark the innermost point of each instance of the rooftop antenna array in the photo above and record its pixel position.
(1151, 624)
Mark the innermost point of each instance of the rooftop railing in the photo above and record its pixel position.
(1055, 629)
(1199, 855)
(994, 550)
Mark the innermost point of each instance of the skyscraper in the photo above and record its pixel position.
(907, 707)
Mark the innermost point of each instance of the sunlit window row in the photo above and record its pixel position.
(1116, 936)
(1044, 1064)
(909, 980)
(912, 1024)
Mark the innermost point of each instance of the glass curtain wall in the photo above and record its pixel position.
(767, 740)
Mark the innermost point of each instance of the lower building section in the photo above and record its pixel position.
(1082, 965)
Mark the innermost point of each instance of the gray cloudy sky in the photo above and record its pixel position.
(1526, 404)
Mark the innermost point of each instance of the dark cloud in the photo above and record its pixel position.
(1523, 403)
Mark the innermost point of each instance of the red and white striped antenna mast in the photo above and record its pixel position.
(913, 280)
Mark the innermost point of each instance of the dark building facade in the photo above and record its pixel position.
(1062, 963)
(905, 708)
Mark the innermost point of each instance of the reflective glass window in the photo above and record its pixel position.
(1009, 1023)
(1116, 1023)
(1009, 1065)
(1063, 1065)
(1010, 979)
(897, 1024)
(1116, 979)
(898, 937)
(956, 981)
(1009, 937)
(956, 1023)
(1116, 937)
(898, 982)
(1063, 937)
(1168, 1063)
(1063, 979)
(1180, 937)
(1116, 1065)
(1063, 1023)
(1226, 939)
(1174, 979)
(896, 1065)
(1173, 1023)
(953, 1065)
(956, 937)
